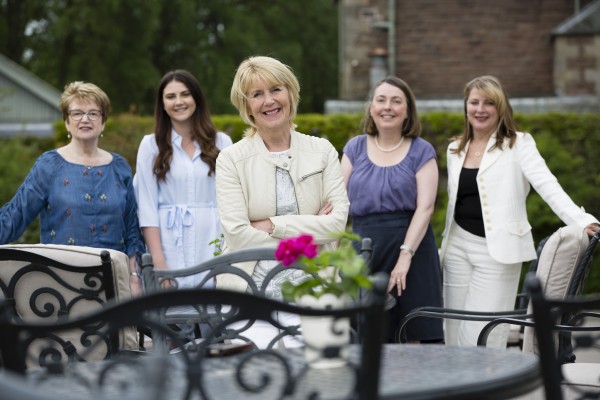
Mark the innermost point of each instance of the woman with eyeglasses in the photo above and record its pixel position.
(82, 193)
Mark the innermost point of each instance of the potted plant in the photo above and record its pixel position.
(334, 279)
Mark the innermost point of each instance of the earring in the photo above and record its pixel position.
(68, 135)
(102, 135)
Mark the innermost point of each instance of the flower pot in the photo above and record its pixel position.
(326, 339)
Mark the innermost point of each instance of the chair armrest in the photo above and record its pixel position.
(447, 313)
(487, 329)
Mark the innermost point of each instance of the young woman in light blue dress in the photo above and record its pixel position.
(175, 177)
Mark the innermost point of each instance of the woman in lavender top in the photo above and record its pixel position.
(83, 194)
(391, 175)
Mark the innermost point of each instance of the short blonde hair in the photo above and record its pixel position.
(273, 72)
(84, 91)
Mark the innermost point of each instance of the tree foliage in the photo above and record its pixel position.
(125, 46)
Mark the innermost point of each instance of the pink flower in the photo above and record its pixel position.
(290, 249)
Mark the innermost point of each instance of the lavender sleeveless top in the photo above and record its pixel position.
(373, 189)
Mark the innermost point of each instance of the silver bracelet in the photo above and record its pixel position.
(134, 274)
(407, 249)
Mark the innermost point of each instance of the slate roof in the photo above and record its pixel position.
(28, 105)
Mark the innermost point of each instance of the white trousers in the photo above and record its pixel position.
(474, 281)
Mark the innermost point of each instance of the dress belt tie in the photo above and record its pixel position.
(180, 216)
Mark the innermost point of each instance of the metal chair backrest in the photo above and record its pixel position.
(45, 288)
(227, 265)
(571, 312)
(564, 261)
(191, 360)
(563, 267)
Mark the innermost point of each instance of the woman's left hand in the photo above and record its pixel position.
(591, 229)
(398, 274)
(264, 225)
(135, 285)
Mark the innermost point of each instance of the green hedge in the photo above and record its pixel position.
(17, 156)
(568, 142)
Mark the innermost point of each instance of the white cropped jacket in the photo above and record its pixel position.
(246, 191)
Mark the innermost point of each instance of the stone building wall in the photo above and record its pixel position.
(577, 65)
(357, 38)
(441, 44)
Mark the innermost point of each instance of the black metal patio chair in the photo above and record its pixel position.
(226, 266)
(575, 319)
(563, 265)
(190, 372)
(57, 282)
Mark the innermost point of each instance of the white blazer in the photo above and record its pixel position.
(504, 180)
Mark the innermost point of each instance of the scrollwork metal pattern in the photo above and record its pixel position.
(59, 292)
(177, 367)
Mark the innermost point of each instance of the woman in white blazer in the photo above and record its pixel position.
(487, 236)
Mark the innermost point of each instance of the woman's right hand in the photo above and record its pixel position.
(326, 209)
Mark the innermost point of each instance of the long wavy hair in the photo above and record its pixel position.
(203, 130)
(491, 87)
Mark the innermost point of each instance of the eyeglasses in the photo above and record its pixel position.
(77, 115)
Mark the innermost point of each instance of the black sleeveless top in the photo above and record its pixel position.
(467, 213)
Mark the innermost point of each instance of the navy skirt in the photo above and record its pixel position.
(424, 279)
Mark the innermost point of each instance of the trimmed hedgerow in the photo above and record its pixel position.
(567, 141)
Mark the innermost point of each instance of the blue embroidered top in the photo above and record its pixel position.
(78, 205)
